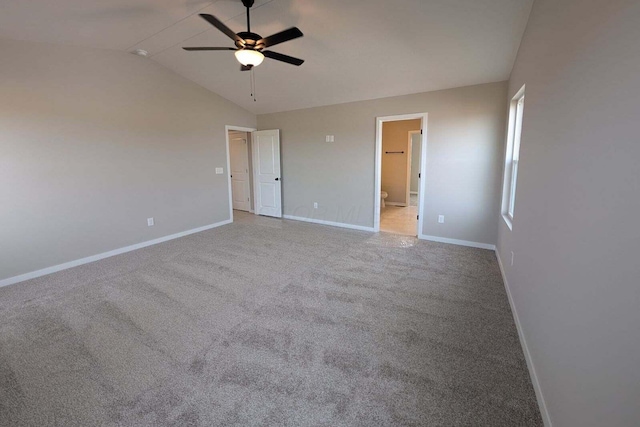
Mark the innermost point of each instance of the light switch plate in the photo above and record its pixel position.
(219, 171)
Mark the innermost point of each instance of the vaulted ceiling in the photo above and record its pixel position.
(354, 49)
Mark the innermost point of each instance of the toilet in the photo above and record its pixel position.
(383, 195)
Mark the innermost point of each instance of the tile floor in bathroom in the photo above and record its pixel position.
(400, 219)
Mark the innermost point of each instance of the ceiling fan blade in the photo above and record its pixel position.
(219, 25)
(207, 48)
(281, 37)
(245, 67)
(284, 58)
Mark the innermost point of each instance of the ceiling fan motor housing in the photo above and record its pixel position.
(250, 41)
(247, 3)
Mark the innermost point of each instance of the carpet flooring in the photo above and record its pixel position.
(266, 322)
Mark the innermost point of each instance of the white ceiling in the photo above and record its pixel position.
(354, 49)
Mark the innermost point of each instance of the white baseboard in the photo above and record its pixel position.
(523, 342)
(70, 264)
(413, 192)
(404, 205)
(331, 223)
(457, 242)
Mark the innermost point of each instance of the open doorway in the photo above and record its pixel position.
(239, 165)
(400, 160)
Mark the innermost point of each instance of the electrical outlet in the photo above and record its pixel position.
(512, 257)
(219, 171)
(150, 222)
(441, 219)
(315, 205)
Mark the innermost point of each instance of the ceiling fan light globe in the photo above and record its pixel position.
(249, 57)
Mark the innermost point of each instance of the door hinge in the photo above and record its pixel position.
(420, 131)
(417, 216)
(419, 175)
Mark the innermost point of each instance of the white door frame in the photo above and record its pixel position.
(227, 128)
(378, 166)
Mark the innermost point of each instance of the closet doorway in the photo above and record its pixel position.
(240, 169)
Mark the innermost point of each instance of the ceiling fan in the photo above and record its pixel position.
(250, 46)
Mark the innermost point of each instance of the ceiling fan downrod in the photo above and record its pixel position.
(248, 4)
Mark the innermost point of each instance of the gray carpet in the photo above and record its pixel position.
(267, 323)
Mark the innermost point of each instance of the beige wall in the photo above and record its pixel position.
(575, 280)
(463, 177)
(93, 142)
(395, 138)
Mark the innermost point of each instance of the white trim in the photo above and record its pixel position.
(508, 221)
(457, 242)
(422, 183)
(230, 189)
(378, 165)
(81, 261)
(239, 128)
(507, 170)
(544, 412)
(227, 128)
(377, 176)
(413, 192)
(331, 223)
(404, 205)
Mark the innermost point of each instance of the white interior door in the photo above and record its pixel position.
(239, 156)
(266, 166)
(416, 174)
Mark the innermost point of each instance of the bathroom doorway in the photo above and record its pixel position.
(400, 160)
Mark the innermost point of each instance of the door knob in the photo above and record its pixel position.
(277, 179)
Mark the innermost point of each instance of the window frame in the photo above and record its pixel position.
(512, 156)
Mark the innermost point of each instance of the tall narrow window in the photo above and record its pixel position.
(512, 157)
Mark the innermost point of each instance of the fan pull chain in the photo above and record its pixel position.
(253, 85)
